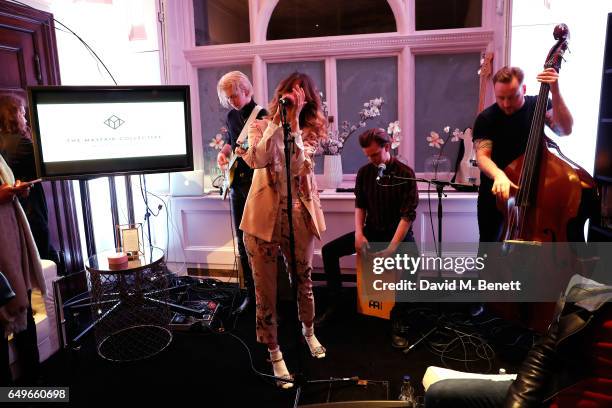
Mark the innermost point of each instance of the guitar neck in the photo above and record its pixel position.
(481, 94)
(485, 72)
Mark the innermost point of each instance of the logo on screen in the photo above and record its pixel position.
(114, 122)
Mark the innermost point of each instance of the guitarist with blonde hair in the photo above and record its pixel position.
(236, 93)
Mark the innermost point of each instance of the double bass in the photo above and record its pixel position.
(554, 196)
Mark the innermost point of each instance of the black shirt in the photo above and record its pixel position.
(509, 134)
(386, 206)
(236, 119)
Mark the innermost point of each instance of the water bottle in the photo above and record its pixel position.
(407, 392)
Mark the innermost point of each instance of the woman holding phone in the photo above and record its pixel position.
(25, 234)
(20, 263)
(17, 149)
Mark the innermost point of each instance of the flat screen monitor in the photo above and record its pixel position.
(88, 131)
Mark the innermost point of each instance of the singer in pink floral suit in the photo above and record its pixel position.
(264, 221)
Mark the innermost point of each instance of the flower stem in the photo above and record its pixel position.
(437, 162)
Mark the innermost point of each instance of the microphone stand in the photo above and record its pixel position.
(439, 184)
(288, 148)
(299, 379)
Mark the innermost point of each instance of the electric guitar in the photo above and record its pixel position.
(467, 169)
(228, 173)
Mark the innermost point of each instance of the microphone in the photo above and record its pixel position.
(285, 101)
(381, 169)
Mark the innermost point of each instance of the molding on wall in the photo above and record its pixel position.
(438, 41)
(185, 58)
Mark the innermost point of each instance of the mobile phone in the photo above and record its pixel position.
(38, 180)
(26, 184)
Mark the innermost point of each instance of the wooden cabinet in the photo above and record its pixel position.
(28, 57)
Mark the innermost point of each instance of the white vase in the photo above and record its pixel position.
(332, 172)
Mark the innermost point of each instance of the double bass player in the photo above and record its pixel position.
(500, 136)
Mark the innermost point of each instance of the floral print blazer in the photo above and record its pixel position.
(265, 155)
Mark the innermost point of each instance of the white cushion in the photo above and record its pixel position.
(46, 323)
(50, 274)
(435, 374)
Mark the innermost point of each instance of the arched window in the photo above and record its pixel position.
(321, 18)
(221, 21)
(446, 14)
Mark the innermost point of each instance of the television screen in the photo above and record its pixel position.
(83, 131)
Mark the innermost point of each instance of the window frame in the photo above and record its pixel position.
(183, 58)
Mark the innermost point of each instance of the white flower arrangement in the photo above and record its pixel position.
(438, 166)
(435, 140)
(336, 140)
(395, 132)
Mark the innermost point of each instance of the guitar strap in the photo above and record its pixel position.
(245, 128)
(229, 173)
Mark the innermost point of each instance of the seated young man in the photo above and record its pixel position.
(383, 213)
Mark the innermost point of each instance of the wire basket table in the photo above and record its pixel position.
(130, 306)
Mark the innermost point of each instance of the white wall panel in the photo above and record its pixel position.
(204, 236)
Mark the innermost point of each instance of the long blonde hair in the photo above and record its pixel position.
(311, 116)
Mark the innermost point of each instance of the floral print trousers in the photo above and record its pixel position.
(262, 256)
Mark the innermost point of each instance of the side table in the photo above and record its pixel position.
(129, 305)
